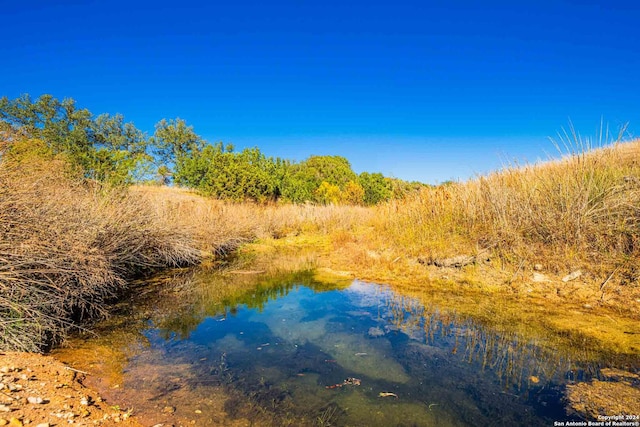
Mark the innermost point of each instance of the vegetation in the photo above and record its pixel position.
(577, 212)
(72, 236)
(108, 149)
(68, 246)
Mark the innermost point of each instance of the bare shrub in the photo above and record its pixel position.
(67, 247)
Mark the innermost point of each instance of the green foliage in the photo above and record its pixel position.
(376, 187)
(303, 180)
(110, 150)
(220, 172)
(105, 148)
(173, 139)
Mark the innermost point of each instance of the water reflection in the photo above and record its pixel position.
(290, 350)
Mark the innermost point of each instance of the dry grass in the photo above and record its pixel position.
(221, 227)
(582, 211)
(68, 247)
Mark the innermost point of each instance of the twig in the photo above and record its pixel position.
(517, 271)
(76, 370)
(609, 278)
(607, 281)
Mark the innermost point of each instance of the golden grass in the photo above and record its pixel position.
(578, 212)
(221, 227)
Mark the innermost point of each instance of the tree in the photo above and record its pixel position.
(375, 186)
(328, 193)
(353, 193)
(63, 127)
(105, 148)
(303, 180)
(174, 139)
(220, 172)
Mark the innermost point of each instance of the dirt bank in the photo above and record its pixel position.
(38, 390)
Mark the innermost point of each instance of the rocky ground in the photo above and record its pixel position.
(40, 391)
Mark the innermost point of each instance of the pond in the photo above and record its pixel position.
(289, 350)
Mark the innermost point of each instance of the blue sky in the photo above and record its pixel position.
(424, 90)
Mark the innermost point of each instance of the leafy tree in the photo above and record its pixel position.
(353, 193)
(120, 150)
(303, 179)
(223, 173)
(376, 187)
(64, 127)
(174, 139)
(105, 148)
(328, 193)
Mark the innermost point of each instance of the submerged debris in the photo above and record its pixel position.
(375, 332)
(348, 381)
(387, 394)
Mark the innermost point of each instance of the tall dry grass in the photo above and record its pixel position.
(67, 247)
(220, 227)
(580, 211)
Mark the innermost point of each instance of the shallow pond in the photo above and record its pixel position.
(293, 351)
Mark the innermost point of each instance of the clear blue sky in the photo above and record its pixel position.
(424, 90)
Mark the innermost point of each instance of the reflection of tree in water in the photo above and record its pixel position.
(195, 295)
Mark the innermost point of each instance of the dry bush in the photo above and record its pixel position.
(67, 247)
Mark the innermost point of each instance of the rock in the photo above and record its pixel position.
(457, 261)
(35, 400)
(572, 276)
(4, 408)
(43, 425)
(169, 409)
(3, 422)
(15, 422)
(538, 267)
(375, 332)
(539, 277)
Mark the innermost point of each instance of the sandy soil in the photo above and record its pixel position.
(38, 390)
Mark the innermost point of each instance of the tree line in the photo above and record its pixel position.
(106, 148)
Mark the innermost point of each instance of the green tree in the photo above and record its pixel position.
(63, 127)
(105, 148)
(303, 179)
(220, 172)
(376, 187)
(174, 140)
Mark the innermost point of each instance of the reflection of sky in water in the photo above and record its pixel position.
(415, 367)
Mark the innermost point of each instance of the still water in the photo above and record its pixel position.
(292, 351)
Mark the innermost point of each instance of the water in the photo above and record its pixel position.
(291, 351)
